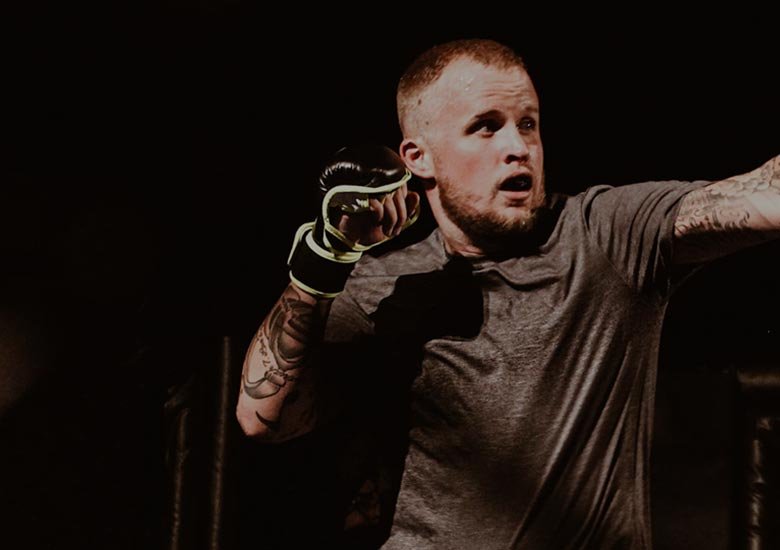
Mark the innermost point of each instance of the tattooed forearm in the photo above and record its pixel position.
(709, 210)
(267, 385)
(290, 327)
(277, 393)
(729, 215)
(282, 343)
(272, 424)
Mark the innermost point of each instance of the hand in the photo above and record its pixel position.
(386, 218)
(365, 198)
(365, 201)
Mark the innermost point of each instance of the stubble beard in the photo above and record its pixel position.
(490, 231)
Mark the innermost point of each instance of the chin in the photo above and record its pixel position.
(517, 215)
(513, 215)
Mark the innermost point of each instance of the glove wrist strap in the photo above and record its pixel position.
(317, 270)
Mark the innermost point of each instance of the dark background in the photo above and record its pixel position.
(156, 163)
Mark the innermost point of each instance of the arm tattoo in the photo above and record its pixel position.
(710, 209)
(273, 425)
(282, 343)
(730, 214)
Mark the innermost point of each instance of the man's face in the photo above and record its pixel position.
(482, 130)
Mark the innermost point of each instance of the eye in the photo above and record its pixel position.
(527, 124)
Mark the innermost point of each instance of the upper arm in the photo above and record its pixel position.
(633, 225)
(729, 215)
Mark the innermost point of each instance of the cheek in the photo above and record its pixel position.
(464, 165)
(468, 168)
(538, 155)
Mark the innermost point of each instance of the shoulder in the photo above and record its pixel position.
(388, 261)
(639, 191)
(631, 202)
(376, 273)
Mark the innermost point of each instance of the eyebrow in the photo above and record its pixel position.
(485, 114)
(495, 112)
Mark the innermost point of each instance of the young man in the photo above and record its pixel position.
(525, 327)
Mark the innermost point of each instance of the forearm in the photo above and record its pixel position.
(729, 215)
(277, 396)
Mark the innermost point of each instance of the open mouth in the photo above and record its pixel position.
(517, 183)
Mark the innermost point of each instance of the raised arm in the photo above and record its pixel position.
(365, 202)
(729, 215)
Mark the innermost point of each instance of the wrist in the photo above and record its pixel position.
(317, 270)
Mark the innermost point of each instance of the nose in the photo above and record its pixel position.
(515, 146)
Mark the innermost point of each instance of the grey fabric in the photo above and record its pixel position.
(534, 432)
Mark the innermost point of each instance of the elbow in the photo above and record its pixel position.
(258, 430)
(251, 425)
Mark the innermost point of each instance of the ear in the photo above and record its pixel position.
(415, 155)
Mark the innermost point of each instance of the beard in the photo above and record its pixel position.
(491, 231)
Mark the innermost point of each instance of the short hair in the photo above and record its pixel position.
(429, 65)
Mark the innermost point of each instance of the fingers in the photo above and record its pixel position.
(388, 216)
(347, 228)
(377, 210)
(397, 209)
(385, 213)
(399, 201)
(412, 203)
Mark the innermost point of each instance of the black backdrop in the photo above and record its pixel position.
(157, 162)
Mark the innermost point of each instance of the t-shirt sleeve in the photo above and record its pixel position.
(633, 225)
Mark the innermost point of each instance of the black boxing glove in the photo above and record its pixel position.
(322, 257)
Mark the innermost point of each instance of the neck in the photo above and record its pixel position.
(456, 242)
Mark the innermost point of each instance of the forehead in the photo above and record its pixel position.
(466, 84)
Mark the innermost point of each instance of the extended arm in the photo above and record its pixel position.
(729, 215)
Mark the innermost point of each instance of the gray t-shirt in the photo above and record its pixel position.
(530, 429)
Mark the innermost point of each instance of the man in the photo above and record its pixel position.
(526, 325)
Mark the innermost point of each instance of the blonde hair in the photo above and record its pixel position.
(429, 65)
